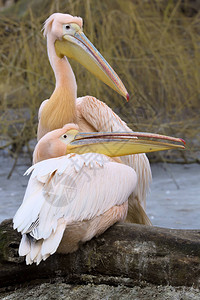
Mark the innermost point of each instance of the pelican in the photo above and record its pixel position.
(65, 38)
(77, 189)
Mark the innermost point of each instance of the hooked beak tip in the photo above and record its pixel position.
(182, 140)
(127, 97)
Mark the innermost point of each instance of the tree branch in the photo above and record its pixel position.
(125, 254)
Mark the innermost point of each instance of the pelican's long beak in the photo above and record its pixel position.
(78, 47)
(119, 144)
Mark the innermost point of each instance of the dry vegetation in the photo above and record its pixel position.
(152, 45)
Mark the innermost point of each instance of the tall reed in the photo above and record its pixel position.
(152, 45)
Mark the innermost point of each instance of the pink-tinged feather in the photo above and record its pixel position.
(93, 198)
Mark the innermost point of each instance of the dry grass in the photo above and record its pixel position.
(153, 46)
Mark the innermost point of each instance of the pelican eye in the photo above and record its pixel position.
(65, 136)
(67, 27)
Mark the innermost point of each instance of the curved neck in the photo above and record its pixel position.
(63, 72)
(60, 109)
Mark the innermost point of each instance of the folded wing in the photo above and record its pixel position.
(64, 190)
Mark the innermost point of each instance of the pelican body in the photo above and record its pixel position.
(77, 189)
(65, 38)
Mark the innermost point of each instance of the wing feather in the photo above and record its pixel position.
(74, 190)
(100, 117)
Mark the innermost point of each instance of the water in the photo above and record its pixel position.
(12, 190)
(174, 201)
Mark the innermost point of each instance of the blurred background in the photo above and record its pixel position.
(154, 46)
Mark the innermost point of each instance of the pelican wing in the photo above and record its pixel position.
(65, 190)
(101, 118)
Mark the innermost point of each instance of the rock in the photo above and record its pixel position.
(127, 254)
(60, 290)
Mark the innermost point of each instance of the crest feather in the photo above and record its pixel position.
(47, 25)
(62, 18)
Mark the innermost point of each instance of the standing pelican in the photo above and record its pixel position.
(65, 38)
(77, 189)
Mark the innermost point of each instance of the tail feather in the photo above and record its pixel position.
(28, 259)
(51, 244)
(38, 250)
(25, 245)
(136, 213)
(35, 249)
(38, 258)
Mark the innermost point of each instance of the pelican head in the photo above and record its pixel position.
(66, 33)
(68, 140)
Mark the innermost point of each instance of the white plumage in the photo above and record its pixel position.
(66, 190)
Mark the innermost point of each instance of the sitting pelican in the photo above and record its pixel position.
(65, 38)
(77, 189)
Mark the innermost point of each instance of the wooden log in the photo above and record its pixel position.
(125, 254)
